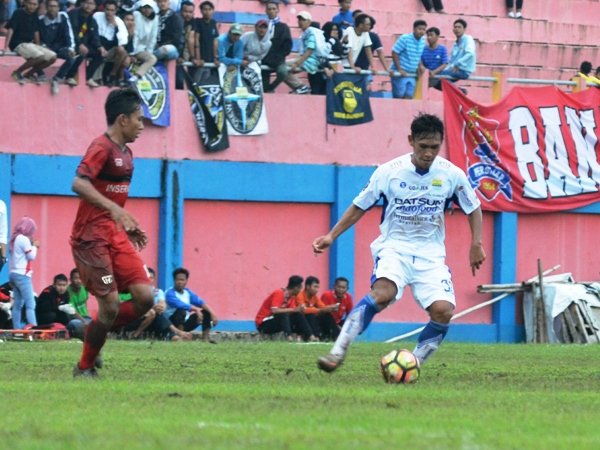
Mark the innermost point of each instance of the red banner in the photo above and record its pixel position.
(534, 151)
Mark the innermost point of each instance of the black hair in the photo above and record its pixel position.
(121, 101)
(73, 272)
(341, 279)
(373, 22)
(207, 3)
(586, 67)
(60, 277)
(327, 28)
(294, 281)
(360, 19)
(111, 2)
(434, 30)
(310, 280)
(461, 21)
(180, 270)
(426, 125)
(419, 23)
(597, 70)
(187, 3)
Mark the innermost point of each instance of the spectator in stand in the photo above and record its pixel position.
(318, 315)
(256, 43)
(230, 48)
(155, 322)
(308, 57)
(52, 305)
(170, 33)
(376, 49)
(406, 55)
(338, 51)
(5, 307)
(437, 5)
(56, 34)
(187, 17)
(144, 39)
(279, 312)
(281, 46)
(87, 42)
(3, 233)
(357, 39)
(185, 309)
(23, 249)
(463, 57)
(434, 57)
(113, 39)
(339, 295)
(510, 8)
(344, 18)
(205, 36)
(585, 72)
(129, 21)
(23, 37)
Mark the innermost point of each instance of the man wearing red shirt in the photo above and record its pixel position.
(105, 236)
(339, 296)
(279, 312)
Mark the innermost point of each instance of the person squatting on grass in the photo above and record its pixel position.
(415, 188)
(105, 236)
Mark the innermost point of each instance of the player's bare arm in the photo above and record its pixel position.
(349, 218)
(86, 190)
(476, 252)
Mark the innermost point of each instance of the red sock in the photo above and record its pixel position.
(127, 314)
(95, 336)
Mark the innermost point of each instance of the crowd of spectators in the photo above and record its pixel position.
(299, 314)
(120, 40)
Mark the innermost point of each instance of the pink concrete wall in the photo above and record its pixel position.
(239, 252)
(457, 258)
(54, 217)
(565, 239)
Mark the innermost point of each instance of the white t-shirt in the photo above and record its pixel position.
(3, 223)
(22, 255)
(356, 43)
(413, 216)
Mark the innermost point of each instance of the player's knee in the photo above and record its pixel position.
(384, 291)
(441, 311)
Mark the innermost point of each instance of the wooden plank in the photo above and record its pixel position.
(578, 321)
(565, 336)
(588, 323)
(575, 337)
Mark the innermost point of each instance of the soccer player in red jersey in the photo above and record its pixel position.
(105, 236)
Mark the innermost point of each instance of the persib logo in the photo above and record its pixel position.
(153, 90)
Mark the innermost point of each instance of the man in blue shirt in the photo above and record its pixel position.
(463, 56)
(406, 55)
(344, 18)
(185, 309)
(434, 57)
(230, 49)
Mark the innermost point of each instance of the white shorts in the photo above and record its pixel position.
(429, 280)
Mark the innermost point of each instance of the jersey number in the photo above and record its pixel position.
(448, 286)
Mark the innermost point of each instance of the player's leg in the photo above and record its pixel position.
(434, 291)
(383, 292)
(206, 326)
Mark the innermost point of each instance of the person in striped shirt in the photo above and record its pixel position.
(406, 55)
(434, 57)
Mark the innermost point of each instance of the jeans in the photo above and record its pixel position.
(166, 52)
(23, 295)
(403, 87)
(458, 75)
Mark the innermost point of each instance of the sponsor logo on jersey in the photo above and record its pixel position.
(436, 182)
(119, 162)
(107, 279)
(117, 188)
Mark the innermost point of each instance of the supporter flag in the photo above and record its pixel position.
(348, 100)
(244, 102)
(153, 88)
(534, 151)
(206, 100)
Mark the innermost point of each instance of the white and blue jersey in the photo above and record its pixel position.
(181, 300)
(412, 222)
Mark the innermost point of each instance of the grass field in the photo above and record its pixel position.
(270, 395)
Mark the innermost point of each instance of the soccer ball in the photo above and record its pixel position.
(400, 367)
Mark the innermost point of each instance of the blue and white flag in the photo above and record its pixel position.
(153, 87)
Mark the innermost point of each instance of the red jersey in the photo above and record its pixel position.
(109, 168)
(329, 298)
(275, 300)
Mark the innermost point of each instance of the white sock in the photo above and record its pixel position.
(351, 329)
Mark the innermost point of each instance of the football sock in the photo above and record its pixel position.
(126, 315)
(430, 339)
(95, 336)
(358, 320)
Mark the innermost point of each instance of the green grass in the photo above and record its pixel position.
(270, 395)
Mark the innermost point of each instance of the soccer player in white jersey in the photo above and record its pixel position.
(415, 189)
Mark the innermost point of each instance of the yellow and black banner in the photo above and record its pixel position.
(348, 100)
